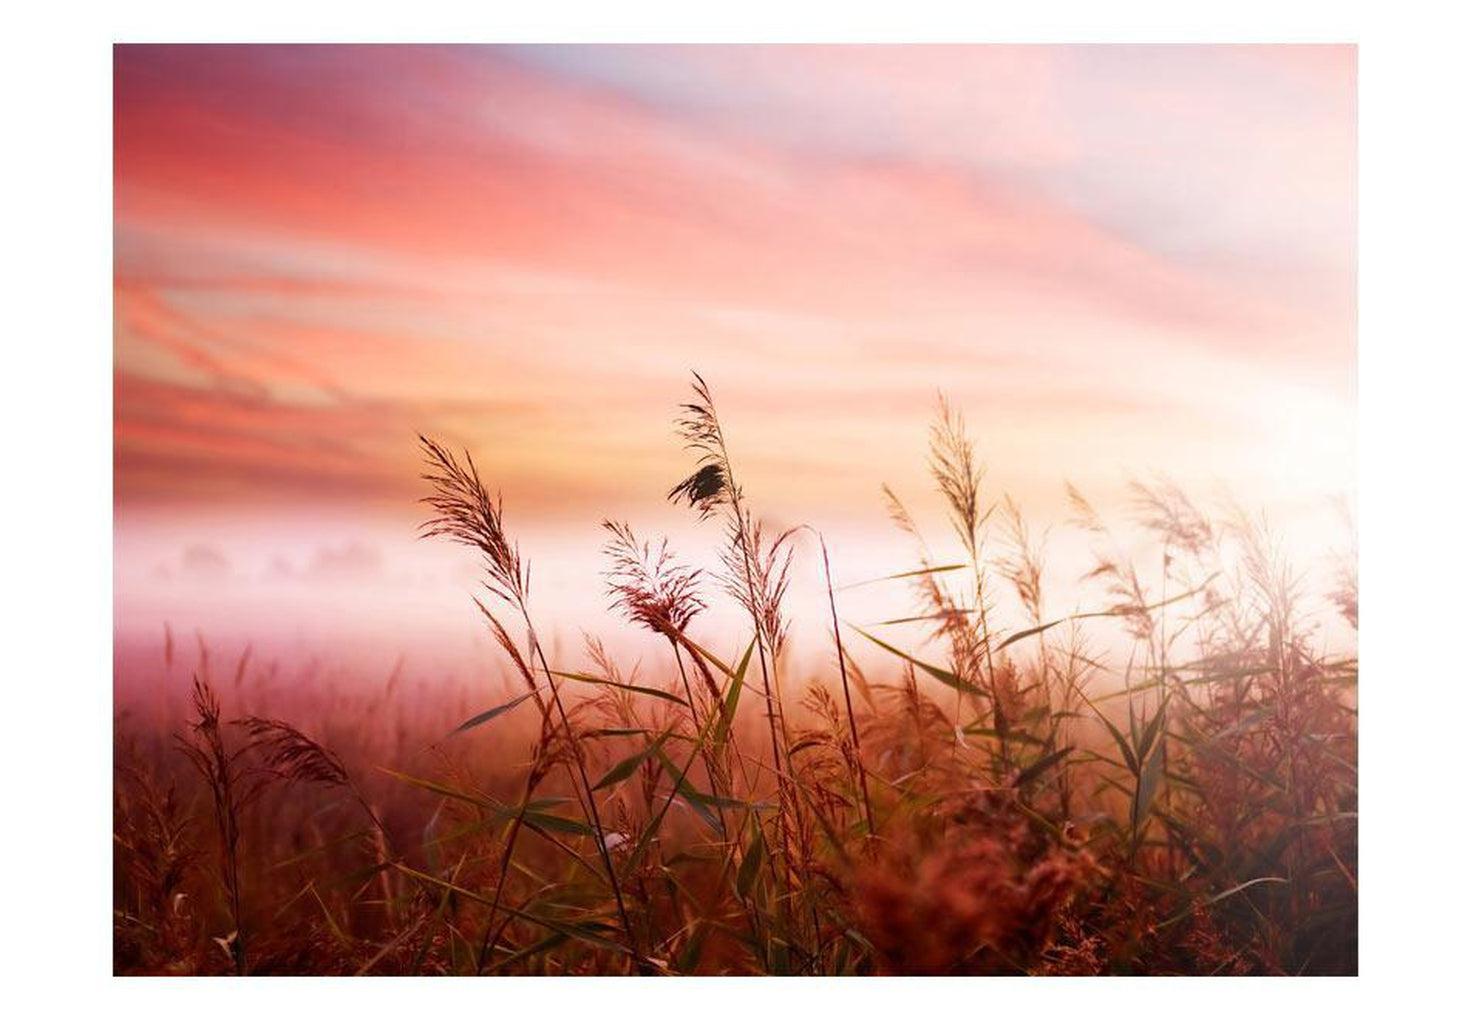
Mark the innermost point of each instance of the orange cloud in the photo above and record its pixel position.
(321, 251)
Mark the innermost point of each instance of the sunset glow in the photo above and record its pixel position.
(1117, 261)
(735, 511)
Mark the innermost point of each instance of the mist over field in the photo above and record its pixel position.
(734, 510)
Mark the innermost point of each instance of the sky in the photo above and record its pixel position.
(1118, 262)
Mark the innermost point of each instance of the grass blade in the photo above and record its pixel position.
(624, 768)
(484, 717)
(943, 676)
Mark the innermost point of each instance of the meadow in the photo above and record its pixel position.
(990, 800)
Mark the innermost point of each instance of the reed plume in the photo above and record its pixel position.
(222, 770)
(1162, 783)
(757, 571)
(464, 512)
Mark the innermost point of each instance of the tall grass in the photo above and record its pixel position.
(950, 797)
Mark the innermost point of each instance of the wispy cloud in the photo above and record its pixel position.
(323, 250)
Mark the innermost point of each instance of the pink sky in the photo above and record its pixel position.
(1118, 261)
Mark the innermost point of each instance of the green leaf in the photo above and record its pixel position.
(446, 791)
(926, 617)
(744, 662)
(1032, 631)
(580, 930)
(1034, 771)
(652, 692)
(501, 812)
(749, 867)
(947, 567)
(628, 765)
(684, 788)
(484, 717)
(708, 656)
(629, 731)
(1116, 735)
(1153, 728)
(1147, 785)
(941, 675)
(1013, 736)
(552, 940)
(1181, 914)
(1021, 635)
(692, 950)
(730, 702)
(557, 823)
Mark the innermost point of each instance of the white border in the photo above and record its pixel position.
(57, 416)
(845, 21)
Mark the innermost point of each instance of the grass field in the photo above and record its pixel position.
(1029, 800)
